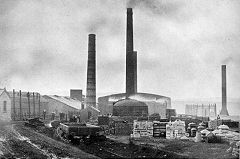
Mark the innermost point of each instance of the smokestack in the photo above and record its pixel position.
(91, 72)
(129, 55)
(224, 92)
(135, 70)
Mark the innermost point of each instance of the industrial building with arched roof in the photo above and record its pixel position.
(154, 103)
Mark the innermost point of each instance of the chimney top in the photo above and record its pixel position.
(91, 34)
(129, 10)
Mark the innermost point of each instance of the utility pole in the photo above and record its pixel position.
(20, 104)
(215, 109)
(33, 105)
(14, 108)
(39, 105)
(29, 112)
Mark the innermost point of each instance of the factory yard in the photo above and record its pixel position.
(19, 141)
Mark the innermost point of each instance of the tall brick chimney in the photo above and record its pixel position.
(224, 92)
(91, 72)
(135, 70)
(130, 57)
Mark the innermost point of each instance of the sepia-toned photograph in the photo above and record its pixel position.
(119, 79)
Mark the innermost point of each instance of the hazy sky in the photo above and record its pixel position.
(181, 45)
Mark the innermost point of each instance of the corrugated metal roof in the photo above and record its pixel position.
(68, 101)
(90, 107)
(144, 97)
(129, 102)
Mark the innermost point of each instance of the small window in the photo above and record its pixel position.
(4, 106)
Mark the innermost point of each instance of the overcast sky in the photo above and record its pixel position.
(181, 45)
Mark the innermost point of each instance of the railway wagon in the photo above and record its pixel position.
(75, 131)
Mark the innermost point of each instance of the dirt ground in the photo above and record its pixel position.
(45, 138)
(183, 148)
(17, 141)
(112, 149)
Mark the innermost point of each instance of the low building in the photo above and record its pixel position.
(62, 105)
(5, 105)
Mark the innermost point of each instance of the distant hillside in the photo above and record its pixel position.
(233, 104)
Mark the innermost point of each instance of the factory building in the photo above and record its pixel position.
(65, 108)
(31, 104)
(5, 106)
(146, 103)
(133, 103)
(61, 105)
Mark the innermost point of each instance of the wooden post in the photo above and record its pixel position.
(209, 109)
(39, 105)
(215, 109)
(29, 111)
(34, 113)
(14, 108)
(20, 104)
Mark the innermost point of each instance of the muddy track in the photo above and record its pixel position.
(18, 141)
(15, 145)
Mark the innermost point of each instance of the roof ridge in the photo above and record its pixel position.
(76, 104)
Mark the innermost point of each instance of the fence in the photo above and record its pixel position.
(204, 110)
(26, 105)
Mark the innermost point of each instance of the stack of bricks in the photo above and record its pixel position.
(213, 124)
(122, 128)
(142, 129)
